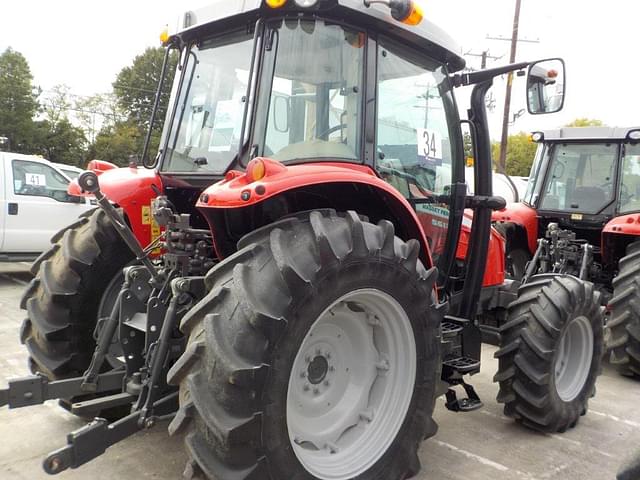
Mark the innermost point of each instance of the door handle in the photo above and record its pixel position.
(13, 208)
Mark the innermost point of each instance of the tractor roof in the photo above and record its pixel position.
(588, 133)
(223, 14)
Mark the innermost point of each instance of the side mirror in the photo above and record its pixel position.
(546, 86)
(281, 110)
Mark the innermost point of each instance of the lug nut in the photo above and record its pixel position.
(306, 387)
(316, 390)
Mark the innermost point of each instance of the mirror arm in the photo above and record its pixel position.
(472, 78)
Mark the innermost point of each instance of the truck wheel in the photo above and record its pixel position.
(551, 352)
(315, 355)
(73, 281)
(624, 325)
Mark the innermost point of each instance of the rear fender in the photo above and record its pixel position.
(617, 234)
(494, 273)
(129, 188)
(237, 205)
(523, 216)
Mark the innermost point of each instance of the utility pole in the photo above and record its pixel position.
(484, 55)
(502, 162)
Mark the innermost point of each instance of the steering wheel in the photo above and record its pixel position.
(335, 128)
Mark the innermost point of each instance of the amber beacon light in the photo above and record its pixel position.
(405, 11)
(275, 3)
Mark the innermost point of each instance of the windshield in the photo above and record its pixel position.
(581, 177)
(316, 97)
(205, 134)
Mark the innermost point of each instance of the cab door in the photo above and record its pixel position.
(37, 204)
(417, 130)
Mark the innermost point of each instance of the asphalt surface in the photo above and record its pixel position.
(480, 445)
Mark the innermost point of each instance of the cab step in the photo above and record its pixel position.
(462, 365)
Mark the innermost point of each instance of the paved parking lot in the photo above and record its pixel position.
(478, 445)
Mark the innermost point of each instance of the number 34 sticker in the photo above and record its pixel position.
(429, 146)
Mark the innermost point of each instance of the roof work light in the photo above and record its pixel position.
(405, 11)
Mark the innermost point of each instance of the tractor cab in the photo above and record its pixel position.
(581, 178)
(326, 82)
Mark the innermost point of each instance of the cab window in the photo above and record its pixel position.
(581, 177)
(629, 200)
(316, 101)
(413, 136)
(40, 180)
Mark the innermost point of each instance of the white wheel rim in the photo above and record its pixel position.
(351, 385)
(573, 358)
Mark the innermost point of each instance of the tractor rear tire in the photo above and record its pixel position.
(255, 382)
(551, 352)
(624, 324)
(62, 301)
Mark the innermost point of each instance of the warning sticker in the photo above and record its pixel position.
(35, 179)
(146, 215)
(429, 147)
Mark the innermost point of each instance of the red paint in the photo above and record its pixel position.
(523, 215)
(624, 224)
(494, 273)
(130, 188)
(279, 178)
(99, 166)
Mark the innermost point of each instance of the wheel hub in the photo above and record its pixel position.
(351, 385)
(317, 370)
(573, 358)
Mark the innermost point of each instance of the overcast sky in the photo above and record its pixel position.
(85, 44)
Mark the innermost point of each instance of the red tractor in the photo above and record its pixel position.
(310, 279)
(579, 217)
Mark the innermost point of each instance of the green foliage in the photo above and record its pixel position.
(585, 122)
(117, 143)
(135, 86)
(520, 153)
(59, 142)
(18, 100)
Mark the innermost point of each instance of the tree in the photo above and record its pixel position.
(18, 100)
(56, 103)
(116, 143)
(585, 122)
(97, 112)
(520, 153)
(61, 142)
(135, 88)
(136, 85)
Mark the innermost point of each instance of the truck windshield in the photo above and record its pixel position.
(581, 177)
(205, 133)
(316, 96)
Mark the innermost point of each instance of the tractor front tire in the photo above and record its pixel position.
(315, 355)
(70, 285)
(551, 352)
(624, 324)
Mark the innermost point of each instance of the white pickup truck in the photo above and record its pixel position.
(34, 204)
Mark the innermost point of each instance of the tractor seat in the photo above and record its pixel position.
(589, 199)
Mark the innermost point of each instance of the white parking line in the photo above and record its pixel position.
(485, 461)
(616, 419)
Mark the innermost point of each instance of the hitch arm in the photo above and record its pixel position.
(92, 440)
(37, 389)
